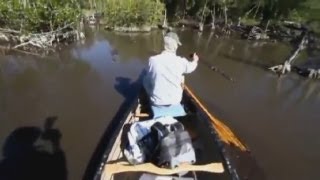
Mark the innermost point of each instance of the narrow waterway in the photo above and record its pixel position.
(84, 85)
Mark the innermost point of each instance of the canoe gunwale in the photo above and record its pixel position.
(239, 164)
(214, 135)
(113, 129)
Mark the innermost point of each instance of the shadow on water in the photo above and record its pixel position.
(33, 153)
(313, 63)
(129, 90)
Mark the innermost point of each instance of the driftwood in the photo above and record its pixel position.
(286, 66)
(311, 73)
(42, 41)
(314, 73)
(7, 49)
(294, 25)
(9, 31)
(286, 31)
(256, 33)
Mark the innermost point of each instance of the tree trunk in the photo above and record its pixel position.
(184, 8)
(225, 13)
(24, 3)
(202, 17)
(248, 13)
(90, 4)
(257, 10)
(239, 22)
(213, 16)
(204, 8)
(95, 4)
(165, 22)
(265, 31)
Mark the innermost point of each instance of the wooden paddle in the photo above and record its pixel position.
(151, 168)
(223, 130)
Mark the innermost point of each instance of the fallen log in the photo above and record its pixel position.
(314, 73)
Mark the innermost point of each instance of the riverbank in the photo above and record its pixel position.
(55, 22)
(254, 21)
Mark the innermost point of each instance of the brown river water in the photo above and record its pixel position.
(84, 85)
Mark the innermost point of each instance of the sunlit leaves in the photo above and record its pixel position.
(38, 15)
(133, 12)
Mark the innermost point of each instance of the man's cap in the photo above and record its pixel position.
(174, 36)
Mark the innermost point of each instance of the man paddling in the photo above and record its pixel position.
(165, 77)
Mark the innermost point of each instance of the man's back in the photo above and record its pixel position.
(165, 76)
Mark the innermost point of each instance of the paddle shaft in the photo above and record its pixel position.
(223, 130)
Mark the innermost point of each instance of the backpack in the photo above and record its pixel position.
(150, 142)
(166, 145)
(175, 148)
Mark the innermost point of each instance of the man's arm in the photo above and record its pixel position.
(147, 80)
(191, 65)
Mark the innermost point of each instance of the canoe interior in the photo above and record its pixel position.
(205, 142)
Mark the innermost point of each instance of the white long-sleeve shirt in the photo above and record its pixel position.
(164, 77)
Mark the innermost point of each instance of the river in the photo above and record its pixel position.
(84, 84)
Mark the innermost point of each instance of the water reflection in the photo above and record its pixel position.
(135, 45)
(34, 153)
(129, 89)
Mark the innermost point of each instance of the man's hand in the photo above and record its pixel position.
(182, 82)
(195, 57)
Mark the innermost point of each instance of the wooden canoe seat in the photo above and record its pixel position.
(142, 115)
(147, 176)
(122, 166)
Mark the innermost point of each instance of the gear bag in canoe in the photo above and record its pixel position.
(163, 141)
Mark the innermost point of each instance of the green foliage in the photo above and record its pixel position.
(250, 21)
(310, 14)
(130, 13)
(310, 10)
(255, 10)
(45, 15)
(38, 15)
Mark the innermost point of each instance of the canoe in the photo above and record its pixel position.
(210, 146)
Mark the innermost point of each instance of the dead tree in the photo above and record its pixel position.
(286, 66)
(213, 17)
